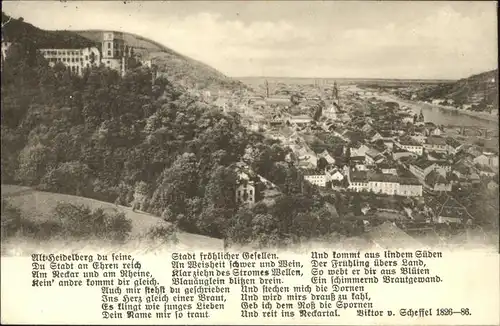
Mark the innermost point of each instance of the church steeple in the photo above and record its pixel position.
(335, 92)
(421, 116)
(335, 95)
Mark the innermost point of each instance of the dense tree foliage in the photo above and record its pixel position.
(14, 30)
(147, 144)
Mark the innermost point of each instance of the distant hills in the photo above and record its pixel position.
(476, 88)
(175, 66)
(384, 82)
(479, 90)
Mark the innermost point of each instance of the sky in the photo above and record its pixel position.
(329, 39)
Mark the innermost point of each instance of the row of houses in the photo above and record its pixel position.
(451, 102)
(487, 159)
(418, 143)
(440, 101)
(421, 168)
(381, 183)
(440, 175)
(433, 171)
(366, 158)
(321, 178)
(385, 181)
(436, 148)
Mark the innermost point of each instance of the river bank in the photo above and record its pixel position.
(445, 115)
(480, 115)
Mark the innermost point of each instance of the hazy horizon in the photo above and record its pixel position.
(280, 39)
(345, 78)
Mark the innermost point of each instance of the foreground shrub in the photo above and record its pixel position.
(13, 224)
(81, 222)
(163, 233)
(71, 222)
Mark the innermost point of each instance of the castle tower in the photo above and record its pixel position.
(113, 51)
(108, 45)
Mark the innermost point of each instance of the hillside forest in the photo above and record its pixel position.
(147, 144)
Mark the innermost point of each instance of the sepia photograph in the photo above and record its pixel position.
(251, 126)
(227, 123)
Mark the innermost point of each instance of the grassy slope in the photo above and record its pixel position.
(39, 205)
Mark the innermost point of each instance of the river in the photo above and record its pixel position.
(444, 116)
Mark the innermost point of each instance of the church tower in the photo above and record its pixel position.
(335, 92)
(335, 100)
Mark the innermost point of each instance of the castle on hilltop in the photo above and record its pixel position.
(114, 54)
(76, 60)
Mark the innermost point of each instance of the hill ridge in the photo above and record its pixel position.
(17, 29)
(177, 67)
(181, 68)
(478, 89)
(140, 37)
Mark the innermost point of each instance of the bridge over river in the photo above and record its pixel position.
(475, 130)
(446, 116)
